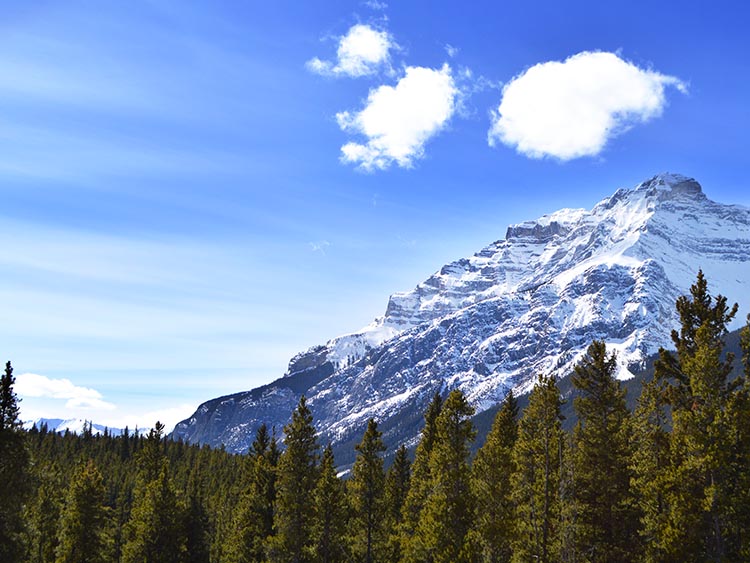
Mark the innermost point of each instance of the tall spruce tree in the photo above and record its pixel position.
(253, 522)
(197, 528)
(366, 487)
(83, 525)
(490, 483)
(14, 472)
(738, 421)
(397, 482)
(331, 514)
(9, 410)
(445, 522)
(698, 391)
(45, 515)
(606, 522)
(537, 457)
(155, 532)
(649, 465)
(297, 476)
(420, 482)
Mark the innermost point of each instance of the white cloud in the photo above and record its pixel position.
(319, 246)
(376, 5)
(451, 50)
(33, 385)
(398, 120)
(571, 109)
(361, 52)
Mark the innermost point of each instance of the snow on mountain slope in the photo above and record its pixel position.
(78, 426)
(528, 304)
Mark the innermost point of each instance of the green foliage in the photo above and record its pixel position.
(14, 476)
(197, 530)
(203, 476)
(297, 476)
(420, 477)
(9, 409)
(490, 484)
(397, 483)
(745, 345)
(606, 522)
(445, 522)
(44, 514)
(537, 457)
(154, 531)
(253, 524)
(331, 511)
(670, 483)
(83, 526)
(649, 465)
(368, 537)
(738, 458)
(699, 479)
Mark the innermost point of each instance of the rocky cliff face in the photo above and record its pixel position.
(527, 304)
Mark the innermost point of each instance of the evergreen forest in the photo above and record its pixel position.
(668, 481)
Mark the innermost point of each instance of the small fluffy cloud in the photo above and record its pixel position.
(33, 385)
(361, 52)
(571, 109)
(399, 120)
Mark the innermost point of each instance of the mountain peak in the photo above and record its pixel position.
(671, 185)
(491, 322)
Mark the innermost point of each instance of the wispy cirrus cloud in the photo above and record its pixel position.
(361, 52)
(397, 121)
(35, 385)
(571, 109)
(319, 246)
(376, 5)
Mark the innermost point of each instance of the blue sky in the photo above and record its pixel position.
(179, 217)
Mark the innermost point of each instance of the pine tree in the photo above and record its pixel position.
(155, 531)
(45, 516)
(568, 509)
(83, 525)
(366, 498)
(14, 472)
(330, 523)
(297, 476)
(9, 410)
(490, 483)
(396, 490)
(698, 392)
(253, 523)
(738, 486)
(420, 477)
(197, 529)
(151, 456)
(445, 522)
(649, 465)
(606, 522)
(537, 457)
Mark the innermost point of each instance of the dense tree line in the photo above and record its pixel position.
(669, 482)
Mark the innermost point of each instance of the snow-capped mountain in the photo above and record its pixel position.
(525, 305)
(78, 426)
